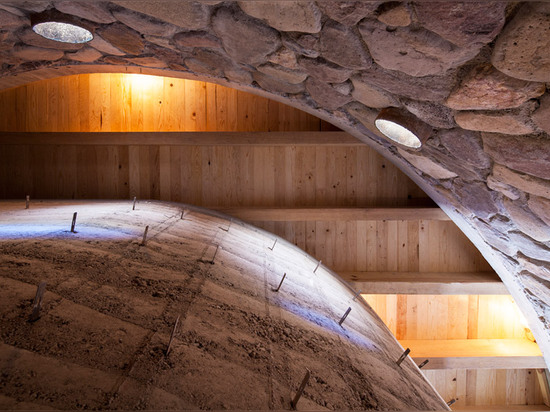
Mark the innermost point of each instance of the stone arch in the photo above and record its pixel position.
(473, 72)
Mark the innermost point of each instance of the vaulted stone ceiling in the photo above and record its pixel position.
(476, 72)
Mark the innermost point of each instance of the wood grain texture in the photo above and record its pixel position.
(449, 316)
(109, 102)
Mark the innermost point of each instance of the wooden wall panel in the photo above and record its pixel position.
(449, 316)
(109, 102)
(486, 387)
(210, 176)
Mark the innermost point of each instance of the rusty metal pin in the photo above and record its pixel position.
(423, 364)
(172, 335)
(144, 240)
(273, 247)
(345, 316)
(294, 401)
(134, 205)
(317, 267)
(27, 200)
(356, 295)
(37, 303)
(403, 356)
(452, 401)
(73, 223)
(280, 284)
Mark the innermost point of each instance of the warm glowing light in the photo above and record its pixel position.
(63, 32)
(145, 83)
(398, 133)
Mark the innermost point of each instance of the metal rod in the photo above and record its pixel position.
(144, 241)
(27, 200)
(403, 356)
(134, 206)
(182, 213)
(452, 401)
(300, 390)
(37, 303)
(280, 284)
(273, 247)
(73, 224)
(172, 336)
(345, 316)
(317, 267)
(228, 226)
(356, 295)
(215, 253)
(423, 364)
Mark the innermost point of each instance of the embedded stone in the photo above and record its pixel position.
(191, 15)
(208, 62)
(398, 16)
(197, 39)
(485, 88)
(466, 146)
(286, 75)
(343, 88)
(34, 6)
(521, 50)
(507, 190)
(541, 117)
(476, 198)
(306, 45)
(145, 24)
(288, 15)
(103, 46)
(416, 52)
(325, 95)
(341, 46)
(494, 123)
(539, 268)
(116, 60)
(366, 116)
(31, 53)
(284, 57)
(525, 154)
(85, 55)
(434, 114)
(198, 66)
(9, 21)
(430, 88)
(495, 238)
(245, 39)
(273, 84)
(161, 41)
(238, 75)
(165, 55)
(527, 222)
(540, 207)
(348, 12)
(93, 11)
(465, 170)
(371, 96)
(427, 166)
(463, 23)
(147, 62)
(325, 71)
(528, 247)
(123, 38)
(28, 36)
(525, 183)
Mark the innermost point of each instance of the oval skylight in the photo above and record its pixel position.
(398, 133)
(63, 32)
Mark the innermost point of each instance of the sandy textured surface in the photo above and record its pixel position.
(111, 303)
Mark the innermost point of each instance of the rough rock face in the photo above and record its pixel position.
(471, 65)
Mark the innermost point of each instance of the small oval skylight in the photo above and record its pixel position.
(63, 32)
(398, 133)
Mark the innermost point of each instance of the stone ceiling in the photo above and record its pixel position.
(476, 72)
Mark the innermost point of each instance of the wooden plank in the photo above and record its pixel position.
(199, 138)
(543, 379)
(425, 283)
(476, 353)
(334, 214)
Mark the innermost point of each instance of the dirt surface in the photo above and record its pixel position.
(111, 304)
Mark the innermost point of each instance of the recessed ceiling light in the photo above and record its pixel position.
(403, 128)
(63, 32)
(57, 26)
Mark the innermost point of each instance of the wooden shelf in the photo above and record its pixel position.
(476, 353)
(423, 283)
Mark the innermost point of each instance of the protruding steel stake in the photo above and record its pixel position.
(37, 303)
(280, 284)
(294, 401)
(27, 201)
(73, 224)
(423, 364)
(452, 401)
(215, 253)
(273, 247)
(345, 316)
(134, 205)
(403, 356)
(144, 240)
(317, 267)
(172, 335)
(356, 295)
